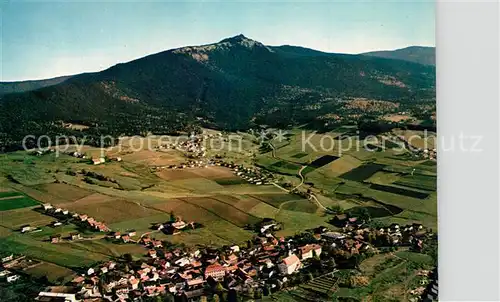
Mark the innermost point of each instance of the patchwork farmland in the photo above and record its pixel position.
(391, 184)
(363, 172)
(15, 200)
(137, 195)
(319, 162)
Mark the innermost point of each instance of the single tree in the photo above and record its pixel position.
(219, 288)
(168, 298)
(258, 294)
(232, 296)
(128, 258)
(215, 298)
(310, 276)
(251, 293)
(266, 291)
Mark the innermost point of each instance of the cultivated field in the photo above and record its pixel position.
(14, 200)
(136, 197)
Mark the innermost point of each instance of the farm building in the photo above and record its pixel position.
(307, 251)
(289, 265)
(8, 258)
(55, 238)
(98, 161)
(215, 271)
(26, 228)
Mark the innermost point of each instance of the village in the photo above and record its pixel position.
(266, 264)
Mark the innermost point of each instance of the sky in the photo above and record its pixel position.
(44, 39)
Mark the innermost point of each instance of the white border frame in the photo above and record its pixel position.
(467, 97)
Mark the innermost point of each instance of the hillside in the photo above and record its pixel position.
(417, 54)
(24, 86)
(230, 84)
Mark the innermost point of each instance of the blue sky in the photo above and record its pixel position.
(48, 39)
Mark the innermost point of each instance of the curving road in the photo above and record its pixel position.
(302, 180)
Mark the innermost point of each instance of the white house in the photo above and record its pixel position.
(289, 265)
(307, 251)
(13, 278)
(26, 228)
(8, 258)
(44, 296)
(90, 271)
(269, 263)
(179, 224)
(266, 227)
(182, 262)
(195, 253)
(134, 283)
(98, 161)
(4, 273)
(111, 265)
(152, 254)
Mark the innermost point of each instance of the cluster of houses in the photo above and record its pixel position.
(175, 227)
(190, 272)
(394, 235)
(102, 160)
(427, 289)
(6, 274)
(78, 154)
(26, 228)
(95, 160)
(41, 152)
(425, 153)
(124, 237)
(171, 228)
(429, 154)
(192, 146)
(252, 175)
(188, 164)
(430, 293)
(13, 267)
(81, 219)
(266, 261)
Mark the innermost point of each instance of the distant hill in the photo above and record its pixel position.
(24, 86)
(417, 54)
(232, 84)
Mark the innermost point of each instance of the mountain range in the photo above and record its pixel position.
(24, 86)
(231, 84)
(417, 54)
